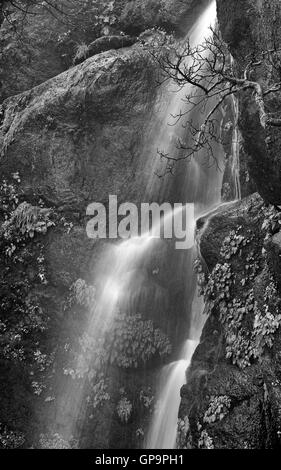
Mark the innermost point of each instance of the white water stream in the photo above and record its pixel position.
(121, 280)
(163, 430)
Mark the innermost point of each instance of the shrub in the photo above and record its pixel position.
(81, 52)
(26, 220)
(124, 409)
(272, 221)
(29, 319)
(218, 408)
(219, 283)
(82, 293)
(135, 341)
(10, 439)
(147, 398)
(244, 344)
(9, 198)
(233, 243)
(53, 441)
(205, 441)
(100, 393)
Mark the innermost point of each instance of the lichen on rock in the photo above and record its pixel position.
(238, 354)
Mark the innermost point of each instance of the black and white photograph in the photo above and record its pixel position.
(140, 228)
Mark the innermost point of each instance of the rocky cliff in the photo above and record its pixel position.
(71, 135)
(78, 135)
(40, 46)
(232, 396)
(251, 29)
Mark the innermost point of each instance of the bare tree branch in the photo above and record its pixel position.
(209, 72)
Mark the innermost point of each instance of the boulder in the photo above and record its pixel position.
(105, 43)
(46, 42)
(77, 138)
(252, 418)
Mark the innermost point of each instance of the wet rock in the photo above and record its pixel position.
(63, 267)
(250, 28)
(47, 43)
(252, 420)
(274, 256)
(76, 138)
(106, 43)
(172, 15)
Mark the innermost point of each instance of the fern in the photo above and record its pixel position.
(28, 220)
(81, 52)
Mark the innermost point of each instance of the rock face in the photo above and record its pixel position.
(31, 56)
(172, 15)
(78, 135)
(105, 43)
(232, 396)
(46, 43)
(251, 28)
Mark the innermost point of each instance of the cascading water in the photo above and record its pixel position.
(163, 432)
(120, 285)
(125, 279)
(236, 142)
(163, 429)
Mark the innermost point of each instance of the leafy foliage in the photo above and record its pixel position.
(38, 387)
(9, 198)
(248, 328)
(267, 323)
(135, 341)
(147, 398)
(82, 293)
(218, 408)
(27, 320)
(88, 20)
(100, 393)
(130, 342)
(182, 431)
(219, 283)
(202, 278)
(21, 221)
(37, 46)
(23, 322)
(272, 221)
(205, 441)
(81, 52)
(53, 441)
(244, 343)
(233, 243)
(10, 439)
(124, 409)
(26, 220)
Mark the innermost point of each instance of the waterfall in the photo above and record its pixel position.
(124, 280)
(171, 131)
(163, 428)
(120, 285)
(236, 142)
(163, 432)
